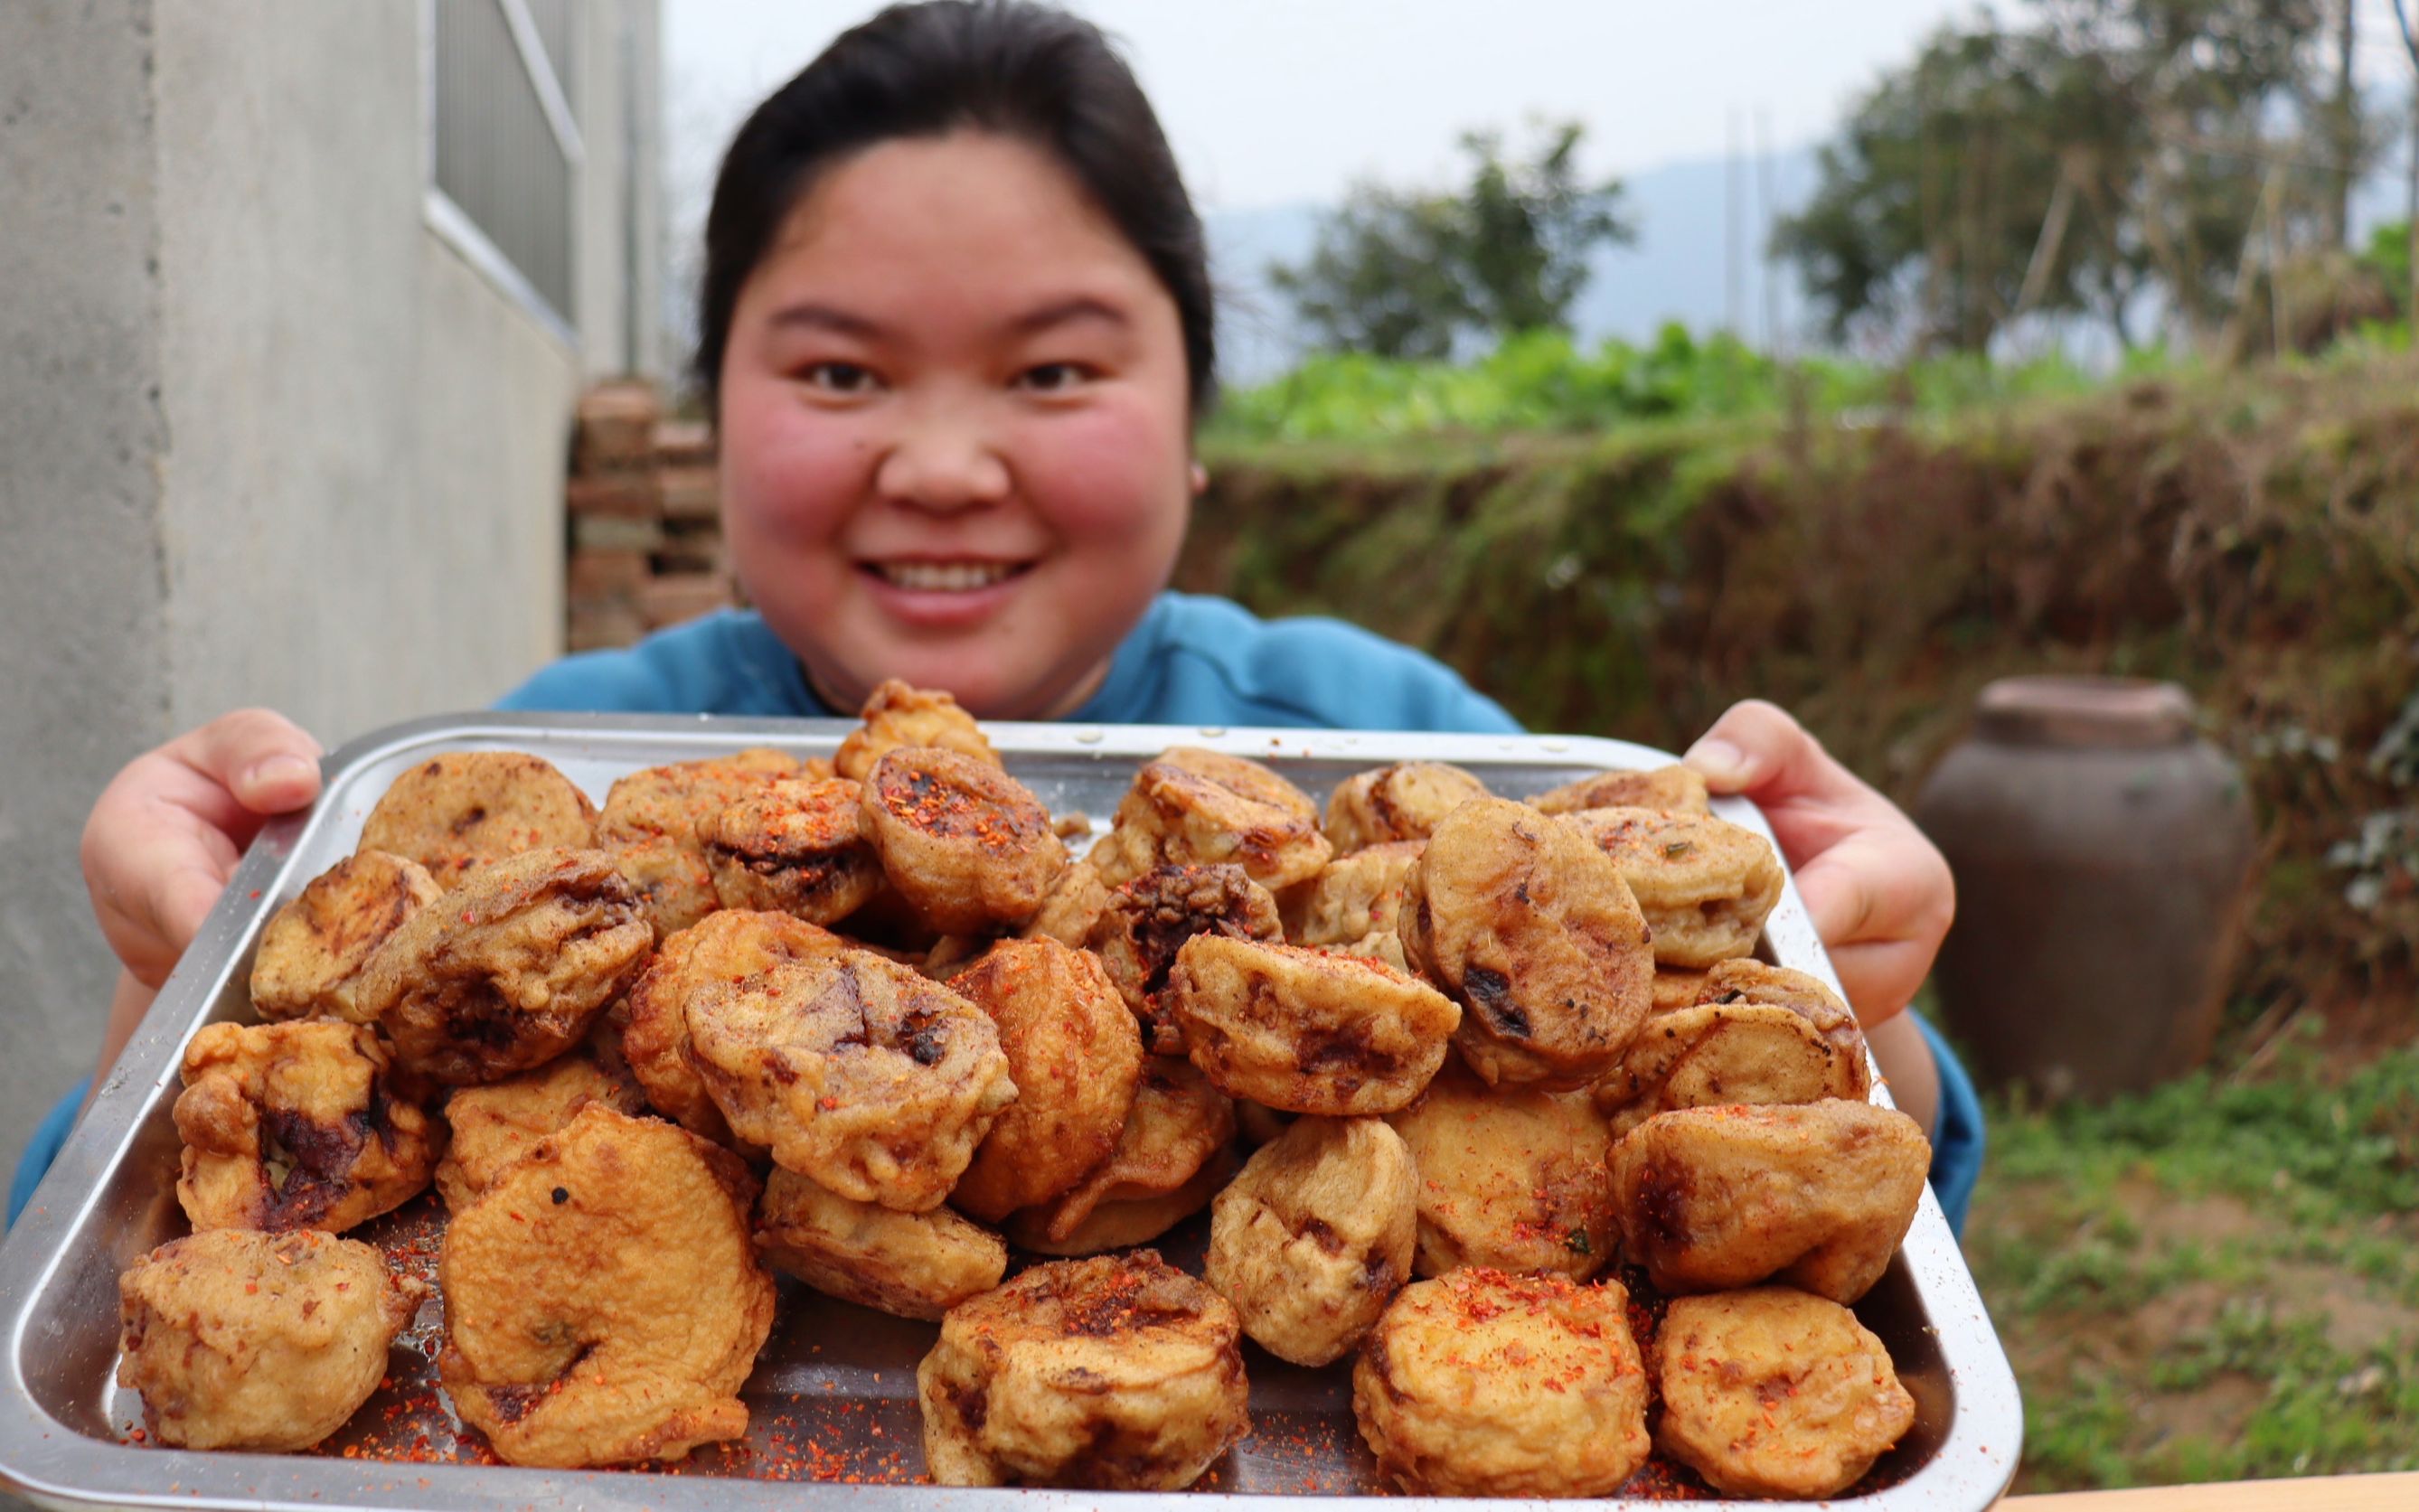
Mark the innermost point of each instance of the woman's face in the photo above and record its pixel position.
(955, 441)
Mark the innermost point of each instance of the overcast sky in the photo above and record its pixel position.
(1281, 101)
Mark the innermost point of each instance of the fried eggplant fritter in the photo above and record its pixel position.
(1509, 1177)
(1305, 1032)
(456, 812)
(1076, 1056)
(1756, 1034)
(1770, 1392)
(795, 847)
(1705, 883)
(651, 823)
(1149, 919)
(509, 970)
(1804, 995)
(297, 1126)
(497, 1124)
(1171, 1158)
(603, 1301)
(854, 1071)
(1119, 1373)
(1532, 928)
(311, 955)
(968, 847)
(1674, 789)
(1355, 904)
(1206, 808)
(1313, 1237)
(720, 948)
(899, 715)
(1076, 901)
(243, 1340)
(1815, 1195)
(907, 1264)
(1401, 802)
(1480, 1384)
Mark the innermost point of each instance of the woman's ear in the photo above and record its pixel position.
(1200, 477)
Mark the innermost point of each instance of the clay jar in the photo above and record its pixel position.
(2101, 852)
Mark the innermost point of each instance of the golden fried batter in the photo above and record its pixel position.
(1817, 1196)
(898, 714)
(908, 1264)
(724, 947)
(1480, 1384)
(1533, 928)
(1396, 803)
(1312, 1239)
(1752, 981)
(855, 1070)
(1705, 883)
(1509, 1177)
(312, 953)
(508, 972)
(496, 1125)
(1308, 1031)
(1149, 919)
(1769, 1392)
(1171, 1158)
(1074, 908)
(1356, 901)
(1676, 987)
(1076, 1056)
(455, 812)
(1121, 1373)
(968, 847)
(795, 847)
(603, 1302)
(1200, 807)
(650, 822)
(1738, 1046)
(297, 1126)
(1676, 789)
(241, 1340)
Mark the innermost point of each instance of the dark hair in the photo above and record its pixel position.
(1005, 65)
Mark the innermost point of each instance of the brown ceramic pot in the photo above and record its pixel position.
(2101, 852)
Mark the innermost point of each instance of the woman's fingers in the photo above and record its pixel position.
(268, 764)
(167, 833)
(1880, 894)
(1882, 901)
(1755, 747)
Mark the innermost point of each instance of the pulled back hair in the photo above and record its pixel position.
(1009, 67)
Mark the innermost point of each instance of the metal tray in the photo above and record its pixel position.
(832, 1399)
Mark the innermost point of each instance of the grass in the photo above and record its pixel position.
(2215, 1280)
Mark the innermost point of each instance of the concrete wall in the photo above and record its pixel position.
(267, 438)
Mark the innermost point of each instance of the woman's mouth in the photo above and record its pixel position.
(945, 577)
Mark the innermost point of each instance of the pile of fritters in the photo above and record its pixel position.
(871, 1023)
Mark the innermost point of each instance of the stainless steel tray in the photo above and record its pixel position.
(832, 1400)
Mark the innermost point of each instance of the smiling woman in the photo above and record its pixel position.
(946, 463)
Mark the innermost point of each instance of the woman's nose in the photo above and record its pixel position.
(943, 463)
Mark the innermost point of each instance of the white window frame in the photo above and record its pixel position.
(452, 223)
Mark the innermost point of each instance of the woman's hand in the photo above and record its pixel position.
(1880, 893)
(169, 829)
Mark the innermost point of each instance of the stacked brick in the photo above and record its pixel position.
(646, 539)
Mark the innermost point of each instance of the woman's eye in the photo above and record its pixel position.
(838, 377)
(1052, 378)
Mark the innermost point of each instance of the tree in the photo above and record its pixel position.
(1402, 273)
(2098, 151)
